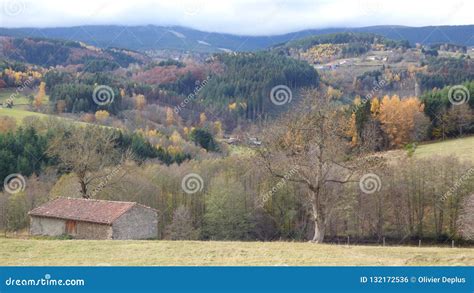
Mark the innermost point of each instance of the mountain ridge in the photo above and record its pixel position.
(152, 37)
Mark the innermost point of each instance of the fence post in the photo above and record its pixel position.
(384, 241)
(348, 240)
(419, 243)
(452, 243)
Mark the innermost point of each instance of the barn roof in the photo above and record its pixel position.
(87, 210)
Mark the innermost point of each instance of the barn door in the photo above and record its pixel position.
(71, 227)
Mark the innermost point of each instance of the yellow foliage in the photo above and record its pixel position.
(352, 131)
(232, 106)
(169, 116)
(140, 131)
(102, 115)
(140, 102)
(322, 53)
(202, 119)
(174, 150)
(176, 137)
(152, 133)
(357, 101)
(398, 118)
(375, 107)
(40, 96)
(333, 93)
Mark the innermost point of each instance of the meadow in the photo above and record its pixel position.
(19, 114)
(462, 148)
(19, 99)
(45, 252)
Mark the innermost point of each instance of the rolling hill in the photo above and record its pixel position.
(48, 52)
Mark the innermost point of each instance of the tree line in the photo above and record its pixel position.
(305, 183)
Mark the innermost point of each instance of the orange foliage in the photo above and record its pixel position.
(398, 118)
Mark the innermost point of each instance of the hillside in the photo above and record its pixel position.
(194, 114)
(52, 52)
(462, 148)
(153, 37)
(248, 81)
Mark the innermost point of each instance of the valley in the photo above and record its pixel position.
(278, 136)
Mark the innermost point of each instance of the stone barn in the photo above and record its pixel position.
(94, 219)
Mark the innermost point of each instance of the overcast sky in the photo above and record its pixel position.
(250, 17)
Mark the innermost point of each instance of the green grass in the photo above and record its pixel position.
(461, 148)
(19, 114)
(20, 99)
(36, 252)
(241, 150)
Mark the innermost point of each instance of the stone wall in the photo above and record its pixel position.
(85, 230)
(137, 223)
(47, 226)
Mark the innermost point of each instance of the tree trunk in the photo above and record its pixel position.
(319, 231)
(319, 224)
(83, 189)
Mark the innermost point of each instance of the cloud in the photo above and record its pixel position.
(256, 17)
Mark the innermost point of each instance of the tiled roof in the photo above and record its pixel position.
(87, 210)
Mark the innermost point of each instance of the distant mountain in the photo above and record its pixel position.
(152, 37)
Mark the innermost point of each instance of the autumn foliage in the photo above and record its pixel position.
(395, 118)
(398, 118)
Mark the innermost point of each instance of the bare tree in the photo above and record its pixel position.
(466, 219)
(460, 117)
(181, 228)
(85, 151)
(311, 139)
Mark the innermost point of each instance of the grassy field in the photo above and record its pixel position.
(461, 148)
(19, 114)
(22, 252)
(21, 104)
(19, 98)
